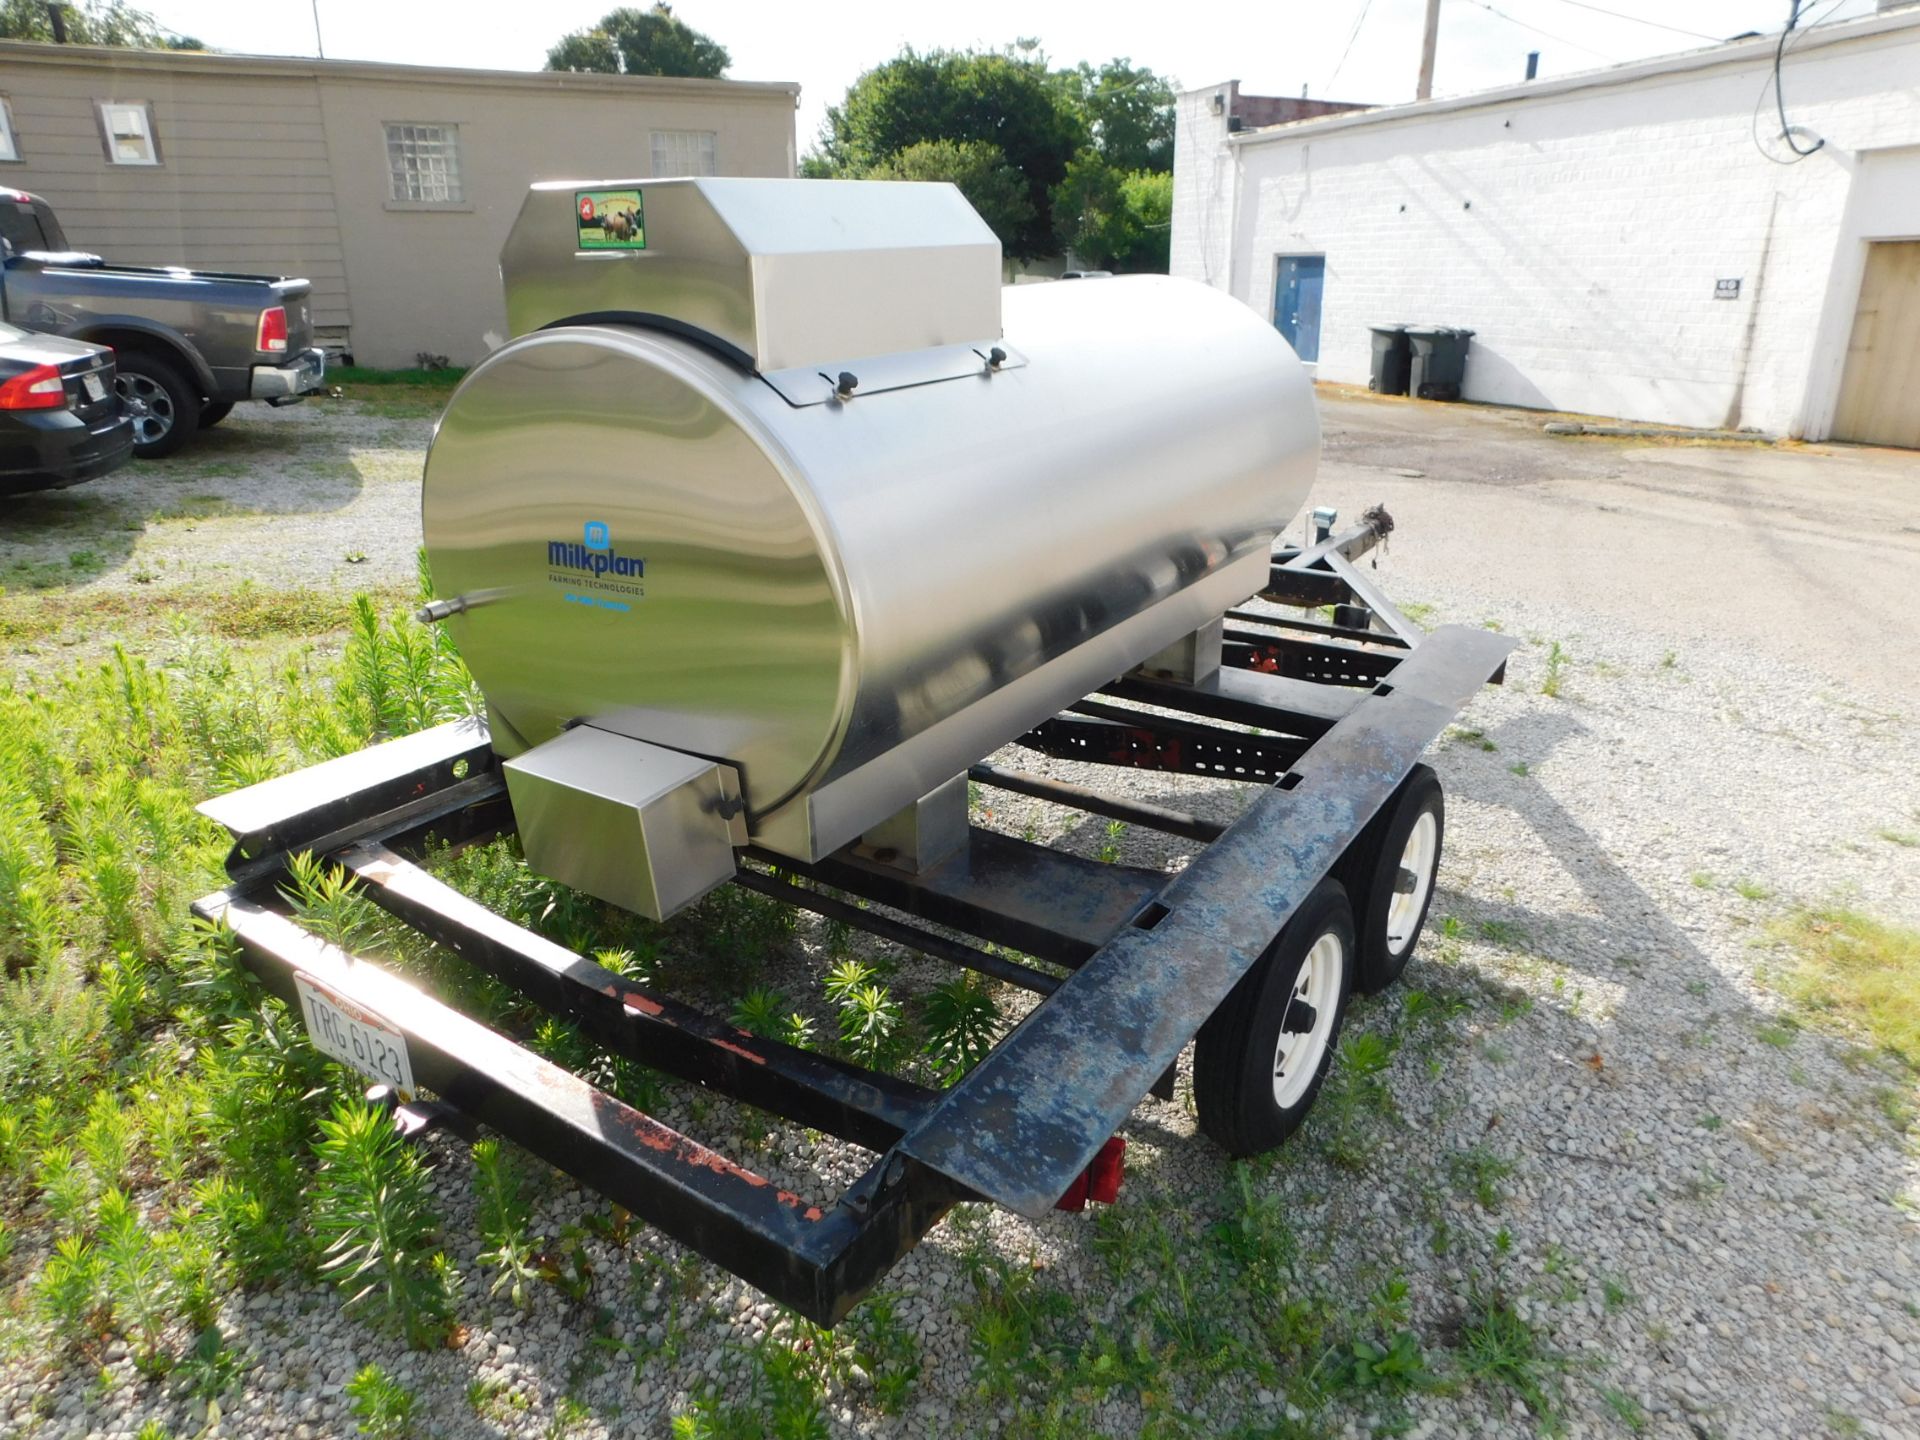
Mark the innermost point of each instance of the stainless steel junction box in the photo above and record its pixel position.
(779, 511)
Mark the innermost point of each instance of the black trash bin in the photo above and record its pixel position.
(1439, 363)
(1391, 360)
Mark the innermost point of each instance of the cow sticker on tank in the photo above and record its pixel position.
(610, 220)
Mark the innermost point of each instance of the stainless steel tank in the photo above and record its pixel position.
(799, 489)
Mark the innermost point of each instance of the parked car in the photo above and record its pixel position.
(191, 344)
(61, 420)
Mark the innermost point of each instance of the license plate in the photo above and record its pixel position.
(353, 1037)
(95, 387)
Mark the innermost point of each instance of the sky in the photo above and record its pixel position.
(1367, 50)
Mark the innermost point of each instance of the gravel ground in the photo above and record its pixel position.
(233, 534)
(1709, 1217)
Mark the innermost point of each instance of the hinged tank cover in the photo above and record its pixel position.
(785, 272)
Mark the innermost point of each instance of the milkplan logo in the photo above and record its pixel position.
(593, 554)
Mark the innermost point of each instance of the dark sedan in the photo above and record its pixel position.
(60, 420)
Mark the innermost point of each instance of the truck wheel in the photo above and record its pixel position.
(165, 408)
(1389, 871)
(1260, 1060)
(212, 415)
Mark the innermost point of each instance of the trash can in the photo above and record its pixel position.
(1439, 362)
(1391, 358)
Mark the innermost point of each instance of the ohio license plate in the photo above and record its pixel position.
(353, 1037)
(95, 387)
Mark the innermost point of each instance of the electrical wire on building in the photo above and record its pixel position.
(1790, 37)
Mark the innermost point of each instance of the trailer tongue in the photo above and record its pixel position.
(843, 533)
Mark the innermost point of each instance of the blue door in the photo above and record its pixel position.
(1297, 282)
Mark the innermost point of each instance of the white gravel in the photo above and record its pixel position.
(1708, 1213)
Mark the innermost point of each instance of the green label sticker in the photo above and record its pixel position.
(610, 219)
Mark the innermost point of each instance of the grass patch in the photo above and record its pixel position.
(1469, 736)
(443, 378)
(1556, 667)
(1499, 1347)
(247, 612)
(1858, 970)
(136, 1056)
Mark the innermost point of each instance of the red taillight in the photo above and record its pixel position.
(40, 388)
(273, 329)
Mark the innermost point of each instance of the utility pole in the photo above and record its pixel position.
(1428, 41)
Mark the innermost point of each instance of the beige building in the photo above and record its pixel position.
(390, 187)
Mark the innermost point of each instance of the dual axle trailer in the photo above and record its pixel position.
(1250, 953)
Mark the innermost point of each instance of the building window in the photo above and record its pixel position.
(9, 148)
(126, 128)
(423, 164)
(683, 152)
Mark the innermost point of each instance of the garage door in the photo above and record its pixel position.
(1880, 392)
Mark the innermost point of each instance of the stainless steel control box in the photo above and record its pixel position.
(640, 826)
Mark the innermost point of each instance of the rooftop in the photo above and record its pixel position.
(208, 62)
(1743, 50)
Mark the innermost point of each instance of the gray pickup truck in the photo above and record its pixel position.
(190, 343)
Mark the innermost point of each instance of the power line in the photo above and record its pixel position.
(1538, 31)
(1640, 20)
(1352, 35)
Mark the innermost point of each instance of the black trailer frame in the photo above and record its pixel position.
(1339, 715)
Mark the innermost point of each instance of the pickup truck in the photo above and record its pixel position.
(190, 343)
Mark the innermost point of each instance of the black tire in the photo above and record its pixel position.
(165, 406)
(1246, 1105)
(1371, 871)
(211, 415)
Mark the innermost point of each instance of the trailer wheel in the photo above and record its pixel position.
(1389, 871)
(1260, 1060)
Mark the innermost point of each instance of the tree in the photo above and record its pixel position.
(1129, 110)
(992, 186)
(641, 42)
(90, 22)
(1003, 99)
(1115, 220)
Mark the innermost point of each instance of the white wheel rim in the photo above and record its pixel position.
(1297, 1056)
(1409, 902)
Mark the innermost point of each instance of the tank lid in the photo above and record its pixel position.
(782, 272)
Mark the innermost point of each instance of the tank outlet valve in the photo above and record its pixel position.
(434, 611)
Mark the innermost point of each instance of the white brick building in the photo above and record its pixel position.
(1582, 228)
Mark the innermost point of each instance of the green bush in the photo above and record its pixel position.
(374, 1225)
